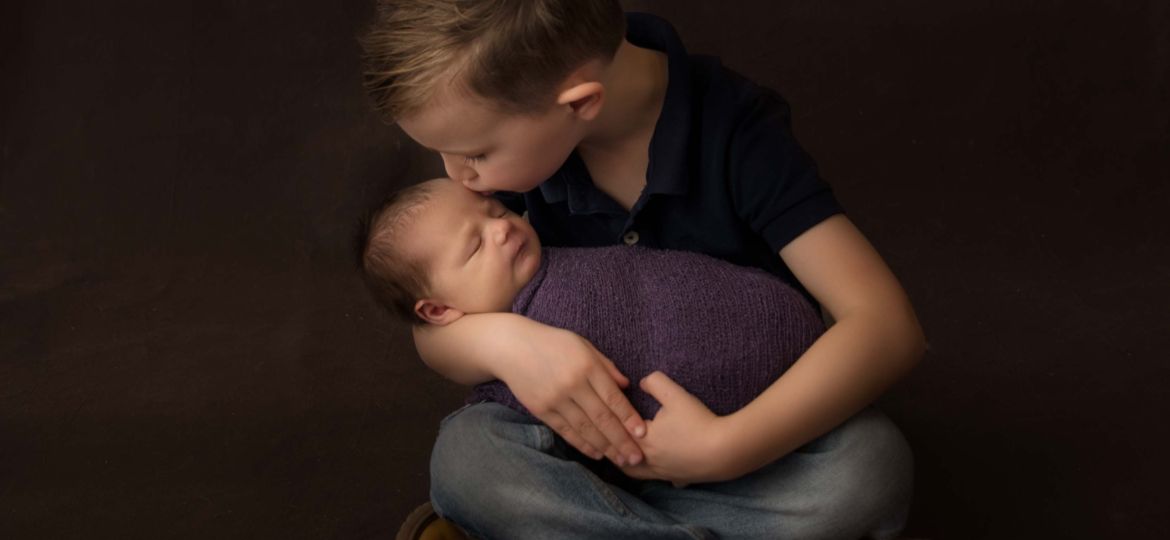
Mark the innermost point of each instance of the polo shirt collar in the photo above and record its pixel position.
(571, 184)
(667, 172)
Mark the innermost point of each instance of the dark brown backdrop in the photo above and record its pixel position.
(185, 351)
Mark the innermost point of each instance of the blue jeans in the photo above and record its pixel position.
(501, 474)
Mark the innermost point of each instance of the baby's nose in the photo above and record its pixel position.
(501, 229)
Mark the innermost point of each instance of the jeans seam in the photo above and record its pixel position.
(458, 411)
(615, 503)
(546, 439)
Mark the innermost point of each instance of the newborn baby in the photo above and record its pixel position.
(437, 251)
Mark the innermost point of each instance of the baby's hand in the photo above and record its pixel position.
(682, 442)
(575, 390)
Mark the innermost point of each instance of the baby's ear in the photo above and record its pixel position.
(435, 312)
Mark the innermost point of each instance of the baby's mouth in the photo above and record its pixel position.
(519, 250)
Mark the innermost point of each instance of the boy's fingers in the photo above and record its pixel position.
(642, 472)
(582, 423)
(604, 405)
(619, 405)
(615, 399)
(612, 429)
(558, 424)
(662, 388)
(656, 384)
(638, 472)
(617, 375)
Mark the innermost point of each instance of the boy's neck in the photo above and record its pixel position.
(635, 85)
(616, 149)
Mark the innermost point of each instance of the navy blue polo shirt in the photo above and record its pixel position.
(726, 177)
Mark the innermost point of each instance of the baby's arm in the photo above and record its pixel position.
(556, 374)
(876, 339)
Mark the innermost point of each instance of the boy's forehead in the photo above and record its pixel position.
(452, 124)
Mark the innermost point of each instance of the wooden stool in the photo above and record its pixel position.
(424, 524)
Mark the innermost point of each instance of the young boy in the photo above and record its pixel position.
(613, 133)
(437, 251)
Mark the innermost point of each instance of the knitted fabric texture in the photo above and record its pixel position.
(723, 332)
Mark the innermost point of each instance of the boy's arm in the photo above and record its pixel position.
(556, 374)
(876, 339)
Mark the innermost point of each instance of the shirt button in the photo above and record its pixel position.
(630, 238)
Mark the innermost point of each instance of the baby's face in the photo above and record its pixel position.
(477, 254)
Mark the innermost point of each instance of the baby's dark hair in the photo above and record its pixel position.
(395, 281)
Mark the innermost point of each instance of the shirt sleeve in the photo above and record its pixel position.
(775, 186)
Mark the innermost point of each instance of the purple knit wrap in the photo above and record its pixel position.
(723, 332)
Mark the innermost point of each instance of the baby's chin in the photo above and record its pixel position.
(529, 261)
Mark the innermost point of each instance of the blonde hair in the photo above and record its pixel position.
(513, 53)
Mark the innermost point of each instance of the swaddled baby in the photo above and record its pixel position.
(436, 251)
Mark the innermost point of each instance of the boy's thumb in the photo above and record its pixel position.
(616, 374)
(661, 387)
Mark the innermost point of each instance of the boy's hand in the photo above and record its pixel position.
(682, 441)
(575, 390)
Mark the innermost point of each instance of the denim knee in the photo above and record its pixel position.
(852, 482)
(471, 456)
(874, 476)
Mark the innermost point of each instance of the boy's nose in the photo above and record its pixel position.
(458, 170)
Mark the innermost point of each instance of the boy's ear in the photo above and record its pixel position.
(435, 312)
(585, 98)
